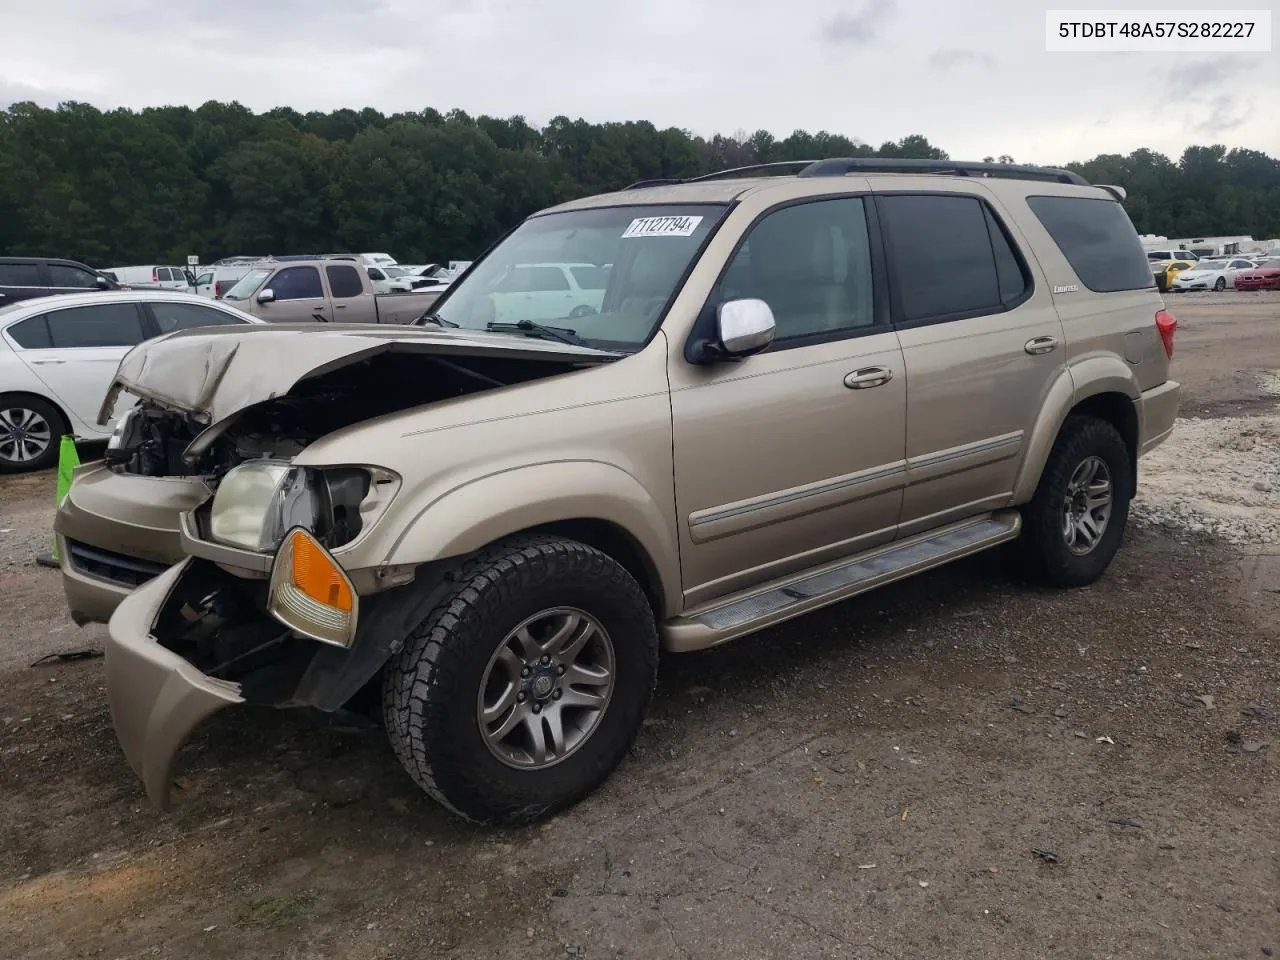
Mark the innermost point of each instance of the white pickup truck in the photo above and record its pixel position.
(324, 291)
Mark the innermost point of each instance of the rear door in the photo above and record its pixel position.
(84, 347)
(299, 297)
(22, 281)
(351, 302)
(982, 345)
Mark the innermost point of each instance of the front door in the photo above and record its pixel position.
(298, 297)
(794, 456)
(982, 343)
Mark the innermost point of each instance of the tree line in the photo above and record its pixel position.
(123, 187)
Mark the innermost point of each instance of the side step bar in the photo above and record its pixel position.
(764, 606)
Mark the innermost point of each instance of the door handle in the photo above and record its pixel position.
(1038, 345)
(868, 377)
(43, 362)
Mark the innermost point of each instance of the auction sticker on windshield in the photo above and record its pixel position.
(662, 227)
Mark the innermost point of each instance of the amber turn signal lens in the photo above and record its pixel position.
(310, 593)
(316, 574)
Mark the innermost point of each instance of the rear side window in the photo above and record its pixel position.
(31, 334)
(547, 279)
(103, 325)
(1098, 239)
(949, 257)
(20, 275)
(590, 278)
(344, 282)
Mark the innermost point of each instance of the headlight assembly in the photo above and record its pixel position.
(258, 502)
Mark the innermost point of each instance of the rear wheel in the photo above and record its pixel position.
(525, 687)
(1073, 525)
(30, 429)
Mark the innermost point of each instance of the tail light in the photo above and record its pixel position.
(1167, 324)
(155, 275)
(217, 289)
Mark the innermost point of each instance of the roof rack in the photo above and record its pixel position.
(840, 166)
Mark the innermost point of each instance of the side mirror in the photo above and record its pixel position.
(266, 296)
(102, 283)
(743, 327)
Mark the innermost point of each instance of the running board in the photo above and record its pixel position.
(762, 607)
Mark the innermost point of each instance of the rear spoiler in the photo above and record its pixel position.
(1118, 192)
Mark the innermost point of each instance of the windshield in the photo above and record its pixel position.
(605, 274)
(395, 271)
(247, 285)
(1210, 264)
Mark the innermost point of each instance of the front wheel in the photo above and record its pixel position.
(1220, 284)
(1073, 525)
(524, 688)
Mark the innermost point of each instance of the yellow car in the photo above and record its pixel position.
(1166, 270)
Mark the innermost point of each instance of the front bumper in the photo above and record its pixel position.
(157, 698)
(115, 532)
(1258, 284)
(1157, 411)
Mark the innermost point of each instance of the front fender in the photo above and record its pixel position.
(468, 517)
(1080, 381)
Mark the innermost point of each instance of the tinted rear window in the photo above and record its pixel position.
(1098, 239)
(31, 334)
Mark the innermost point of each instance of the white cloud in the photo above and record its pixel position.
(973, 78)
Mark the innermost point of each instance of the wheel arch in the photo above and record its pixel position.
(1102, 387)
(596, 503)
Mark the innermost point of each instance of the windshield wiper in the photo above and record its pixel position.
(563, 334)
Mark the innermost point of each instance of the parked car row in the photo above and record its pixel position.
(1181, 271)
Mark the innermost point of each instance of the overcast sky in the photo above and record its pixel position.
(971, 76)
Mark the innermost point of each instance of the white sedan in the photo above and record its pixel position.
(1216, 274)
(58, 355)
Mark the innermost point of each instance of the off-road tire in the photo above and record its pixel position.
(1041, 550)
(430, 688)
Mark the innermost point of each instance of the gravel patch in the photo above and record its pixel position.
(1219, 477)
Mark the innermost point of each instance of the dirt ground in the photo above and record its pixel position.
(956, 766)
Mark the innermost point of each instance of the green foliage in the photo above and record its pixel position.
(122, 187)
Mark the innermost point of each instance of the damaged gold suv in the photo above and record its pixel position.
(757, 395)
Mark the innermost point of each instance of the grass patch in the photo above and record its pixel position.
(274, 911)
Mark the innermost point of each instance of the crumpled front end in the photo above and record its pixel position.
(157, 698)
(199, 638)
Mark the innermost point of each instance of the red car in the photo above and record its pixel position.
(1265, 276)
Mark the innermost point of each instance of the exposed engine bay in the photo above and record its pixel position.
(152, 442)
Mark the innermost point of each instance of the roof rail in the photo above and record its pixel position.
(732, 171)
(838, 167)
